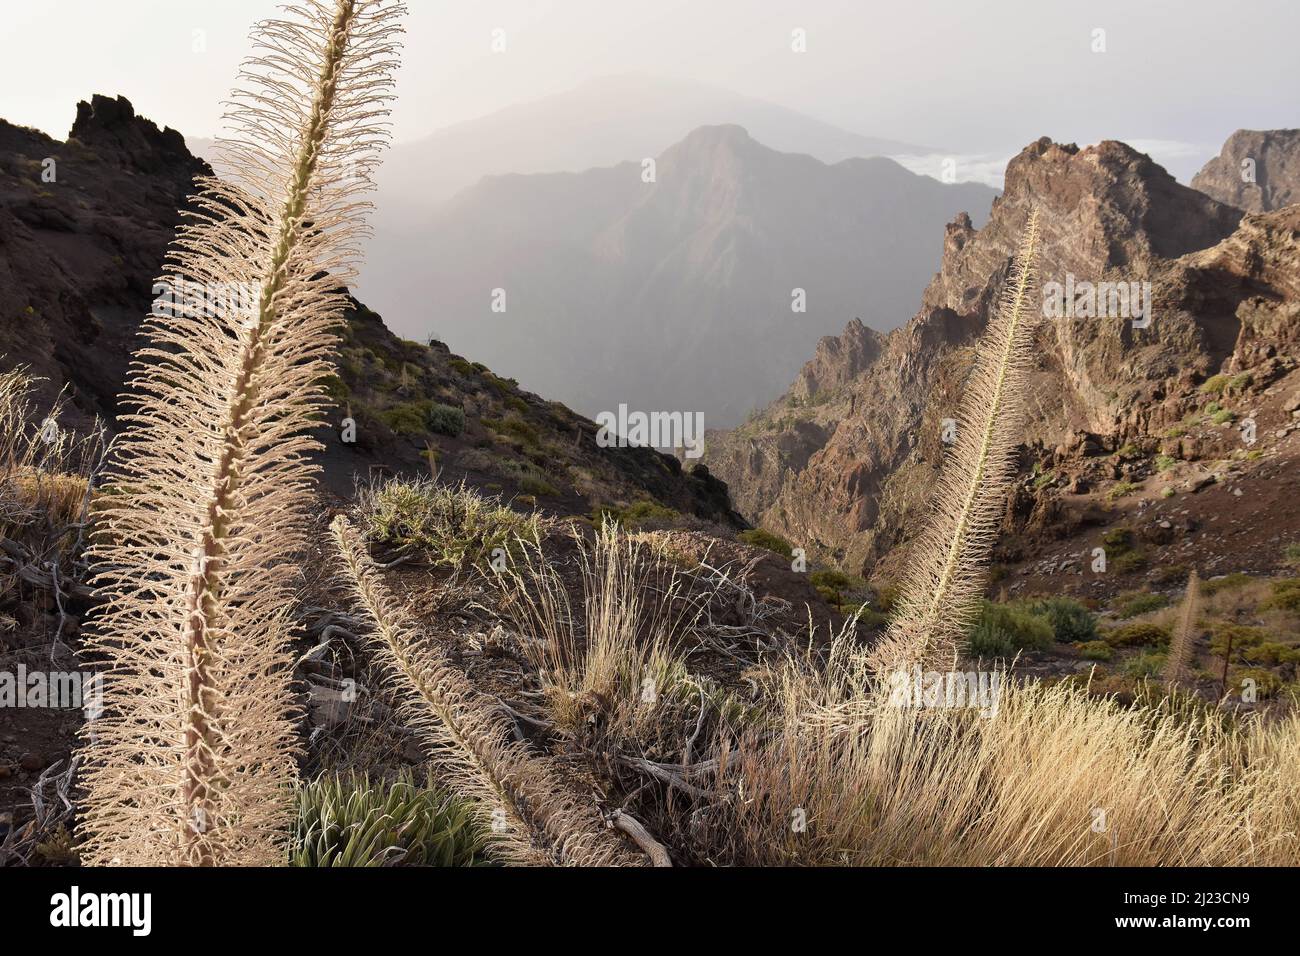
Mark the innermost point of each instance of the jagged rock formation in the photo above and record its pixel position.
(79, 254)
(83, 228)
(844, 469)
(1257, 170)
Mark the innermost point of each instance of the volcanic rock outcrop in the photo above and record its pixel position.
(842, 464)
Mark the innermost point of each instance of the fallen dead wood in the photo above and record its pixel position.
(641, 837)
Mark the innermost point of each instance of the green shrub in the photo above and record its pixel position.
(1223, 415)
(537, 486)
(348, 821)
(451, 526)
(1165, 462)
(886, 596)
(1215, 384)
(1003, 629)
(1071, 621)
(834, 585)
(760, 538)
(868, 616)
(1096, 651)
(1291, 554)
(1137, 633)
(1266, 682)
(406, 418)
(1132, 604)
(517, 427)
(1117, 540)
(1146, 664)
(1120, 489)
(1226, 583)
(1240, 636)
(423, 416)
(1170, 574)
(1129, 561)
(1285, 596)
(1272, 654)
(446, 419)
(639, 514)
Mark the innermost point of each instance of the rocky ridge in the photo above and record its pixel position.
(843, 463)
(81, 247)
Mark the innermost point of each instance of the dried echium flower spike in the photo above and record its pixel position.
(192, 759)
(534, 819)
(1178, 664)
(941, 587)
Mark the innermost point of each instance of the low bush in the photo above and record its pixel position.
(450, 526)
(1071, 621)
(1096, 651)
(1132, 604)
(1003, 629)
(1285, 596)
(760, 538)
(1137, 633)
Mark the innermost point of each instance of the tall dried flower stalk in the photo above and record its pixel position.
(193, 759)
(1178, 663)
(534, 819)
(942, 585)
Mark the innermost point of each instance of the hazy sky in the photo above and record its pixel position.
(962, 75)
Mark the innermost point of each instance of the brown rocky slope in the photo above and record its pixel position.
(79, 254)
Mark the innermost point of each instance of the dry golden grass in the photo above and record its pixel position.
(1055, 778)
(612, 662)
(44, 469)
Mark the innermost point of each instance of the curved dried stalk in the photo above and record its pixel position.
(942, 584)
(533, 817)
(192, 760)
(1178, 663)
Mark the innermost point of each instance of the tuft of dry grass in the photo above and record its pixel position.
(609, 664)
(1055, 778)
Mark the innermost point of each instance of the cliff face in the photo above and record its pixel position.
(844, 469)
(1258, 170)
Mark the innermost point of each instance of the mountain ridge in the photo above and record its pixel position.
(78, 259)
(696, 265)
(843, 462)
